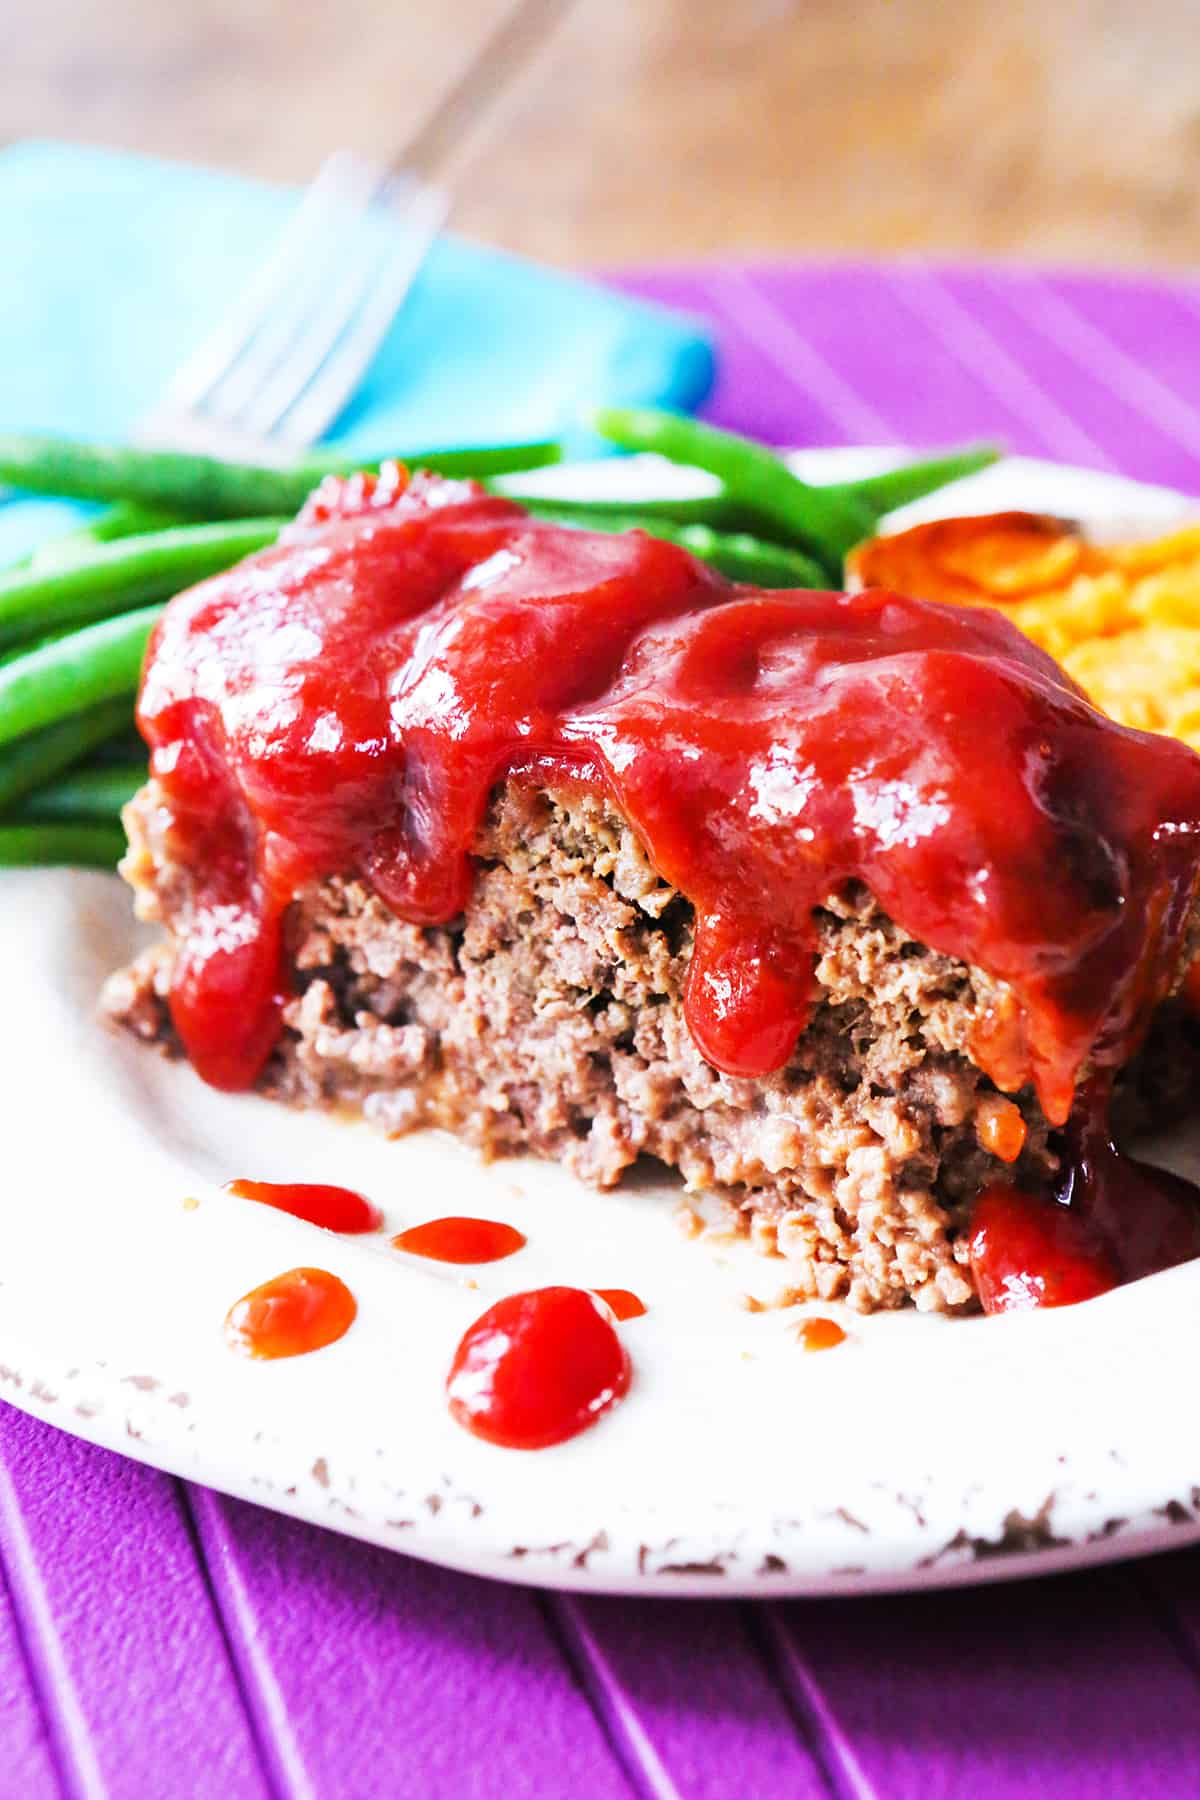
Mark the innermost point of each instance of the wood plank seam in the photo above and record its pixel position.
(266, 1762)
(631, 1748)
(811, 1713)
(282, 1761)
(63, 1718)
(28, 1667)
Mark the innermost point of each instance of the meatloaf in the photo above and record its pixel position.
(542, 1003)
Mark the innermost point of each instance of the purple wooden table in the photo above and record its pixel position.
(159, 1640)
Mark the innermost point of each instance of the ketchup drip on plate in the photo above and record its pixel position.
(456, 1240)
(332, 1208)
(537, 1368)
(303, 1310)
(1112, 1220)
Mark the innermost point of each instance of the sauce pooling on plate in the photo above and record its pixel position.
(538, 1368)
(332, 1208)
(461, 1240)
(1112, 1220)
(302, 1310)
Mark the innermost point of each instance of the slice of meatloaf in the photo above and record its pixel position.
(548, 1018)
(559, 840)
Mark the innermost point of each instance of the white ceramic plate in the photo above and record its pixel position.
(922, 1451)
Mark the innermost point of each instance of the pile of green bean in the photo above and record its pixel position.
(75, 617)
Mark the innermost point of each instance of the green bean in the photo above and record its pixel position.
(827, 524)
(913, 481)
(34, 760)
(73, 673)
(114, 577)
(475, 461)
(204, 487)
(84, 794)
(125, 519)
(89, 845)
(715, 509)
(736, 554)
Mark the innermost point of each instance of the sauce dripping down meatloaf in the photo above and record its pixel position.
(354, 705)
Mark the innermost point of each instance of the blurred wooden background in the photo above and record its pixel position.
(609, 131)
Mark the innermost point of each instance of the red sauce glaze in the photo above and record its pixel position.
(301, 1311)
(346, 701)
(333, 1208)
(537, 1368)
(624, 1304)
(1112, 1220)
(821, 1334)
(461, 1240)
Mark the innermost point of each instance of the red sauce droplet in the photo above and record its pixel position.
(767, 747)
(537, 1368)
(1027, 1250)
(457, 1240)
(1114, 1219)
(301, 1311)
(821, 1334)
(332, 1208)
(624, 1304)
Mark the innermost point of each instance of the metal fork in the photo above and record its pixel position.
(282, 364)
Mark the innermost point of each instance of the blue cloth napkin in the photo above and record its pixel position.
(113, 267)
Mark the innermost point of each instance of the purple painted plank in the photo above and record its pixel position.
(931, 366)
(1155, 437)
(889, 345)
(129, 1658)
(26, 1761)
(1067, 1687)
(688, 1698)
(1148, 347)
(922, 354)
(370, 1673)
(750, 393)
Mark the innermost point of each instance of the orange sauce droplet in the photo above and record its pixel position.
(624, 1304)
(456, 1240)
(1002, 1130)
(821, 1334)
(332, 1208)
(303, 1310)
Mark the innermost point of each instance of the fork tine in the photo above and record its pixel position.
(216, 355)
(270, 345)
(322, 327)
(344, 362)
(284, 363)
